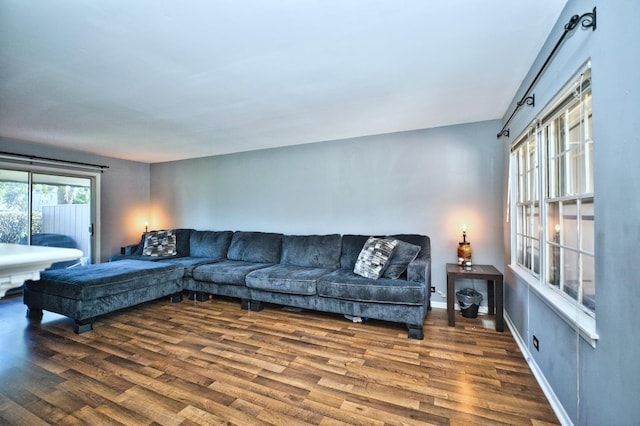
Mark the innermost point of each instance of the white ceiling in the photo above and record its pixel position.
(153, 81)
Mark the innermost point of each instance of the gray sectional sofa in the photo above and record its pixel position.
(313, 272)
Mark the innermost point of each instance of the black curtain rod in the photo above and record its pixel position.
(23, 157)
(588, 21)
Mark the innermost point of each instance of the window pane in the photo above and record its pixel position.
(536, 256)
(553, 262)
(529, 253)
(520, 220)
(553, 178)
(574, 124)
(62, 205)
(588, 171)
(586, 225)
(588, 282)
(560, 139)
(588, 115)
(570, 273)
(569, 228)
(553, 222)
(520, 249)
(577, 159)
(531, 171)
(14, 206)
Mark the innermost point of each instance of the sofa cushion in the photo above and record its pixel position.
(118, 257)
(183, 241)
(226, 271)
(344, 284)
(418, 240)
(104, 279)
(313, 251)
(138, 251)
(261, 247)
(211, 244)
(188, 263)
(374, 257)
(403, 254)
(286, 279)
(159, 243)
(351, 248)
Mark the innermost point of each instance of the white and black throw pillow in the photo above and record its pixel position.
(374, 257)
(160, 243)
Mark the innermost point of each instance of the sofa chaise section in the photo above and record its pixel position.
(86, 292)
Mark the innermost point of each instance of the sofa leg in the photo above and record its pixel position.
(415, 332)
(176, 297)
(251, 305)
(80, 327)
(34, 313)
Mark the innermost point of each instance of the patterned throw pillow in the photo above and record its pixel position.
(160, 243)
(404, 254)
(374, 257)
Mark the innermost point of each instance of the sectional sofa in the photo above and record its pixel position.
(386, 278)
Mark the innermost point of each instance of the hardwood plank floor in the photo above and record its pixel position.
(211, 363)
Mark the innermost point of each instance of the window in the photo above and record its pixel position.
(47, 208)
(553, 197)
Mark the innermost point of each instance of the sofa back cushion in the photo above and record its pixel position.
(313, 251)
(352, 246)
(260, 247)
(213, 244)
(418, 240)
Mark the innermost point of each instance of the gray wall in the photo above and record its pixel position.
(124, 192)
(598, 386)
(425, 181)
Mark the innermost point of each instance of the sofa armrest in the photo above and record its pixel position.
(420, 271)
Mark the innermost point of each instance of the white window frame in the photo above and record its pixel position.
(529, 261)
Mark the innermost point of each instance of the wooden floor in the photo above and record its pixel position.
(210, 363)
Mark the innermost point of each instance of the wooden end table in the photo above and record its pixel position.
(494, 289)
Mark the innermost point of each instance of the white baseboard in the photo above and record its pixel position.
(557, 407)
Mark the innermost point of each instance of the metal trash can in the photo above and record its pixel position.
(469, 300)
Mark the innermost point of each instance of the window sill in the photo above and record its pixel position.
(584, 324)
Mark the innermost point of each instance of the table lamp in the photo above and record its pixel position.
(464, 249)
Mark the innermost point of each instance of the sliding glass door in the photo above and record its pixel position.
(47, 209)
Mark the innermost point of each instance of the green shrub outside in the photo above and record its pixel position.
(14, 225)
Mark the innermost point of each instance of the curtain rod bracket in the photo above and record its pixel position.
(529, 100)
(587, 20)
(504, 132)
